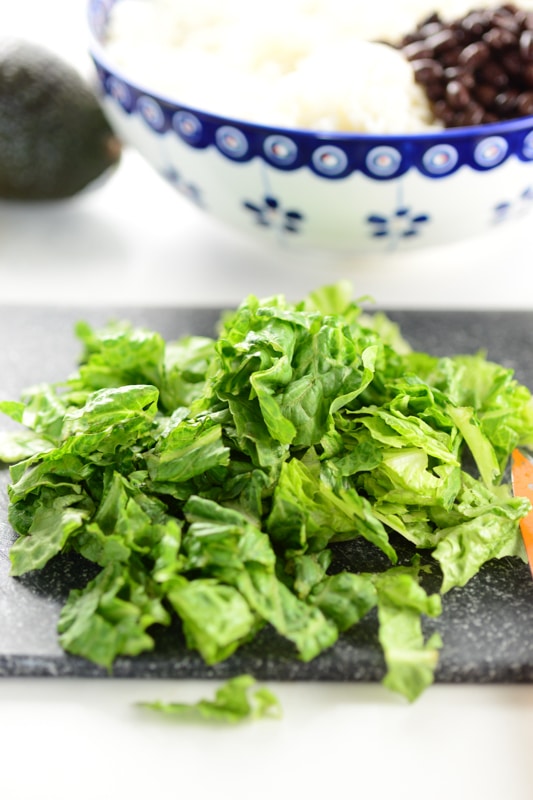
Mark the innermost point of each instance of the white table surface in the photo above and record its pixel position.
(134, 241)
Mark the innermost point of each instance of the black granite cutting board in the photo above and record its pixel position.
(487, 627)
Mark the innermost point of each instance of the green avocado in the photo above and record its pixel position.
(54, 136)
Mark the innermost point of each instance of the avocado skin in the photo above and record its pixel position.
(54, 137)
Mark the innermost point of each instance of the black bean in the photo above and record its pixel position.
(476, 23)
(442, 111)
(430, 28)
(427, 70)
(506, 102)
(520, 17)
(442, 41)
(527, 75)
(491, 72)
(527, 23)
(526, 45)
(462, 37)
(485, 94)
(461, 74)
(451, 57)
(417, 49)
(409, 38)
(473, 114)
(512, 63)
(435, 91)
(457, 95)
(524, 103)
(500, 38)
(474, 55)
(505, 21)
(509, 8)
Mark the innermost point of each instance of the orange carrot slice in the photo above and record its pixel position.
(522, 470)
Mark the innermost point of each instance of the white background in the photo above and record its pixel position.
(133, 240)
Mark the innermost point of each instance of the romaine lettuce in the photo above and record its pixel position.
(211, 478)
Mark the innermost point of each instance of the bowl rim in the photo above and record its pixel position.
(100, 55)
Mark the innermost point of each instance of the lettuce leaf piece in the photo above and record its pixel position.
(478, 443)
(299, 366)
(187, 363)
(13, 408)
(229, 548)
(307, 513)
(345, 598)
(216, 617)
(53, 469)
(118, 355)
(223, 537)
(410, 660)
(41, 410)
(126, 523)
(334, 299)
(307, 571)
(110, 616)
(406, 477)
(393, 429)
(503, 406)
(304, 625)
(193, 447)
(119, 413)
(236, 700)
(52, 525)
(464, 548)
(20, 445)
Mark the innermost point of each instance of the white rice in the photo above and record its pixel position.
(313, 64)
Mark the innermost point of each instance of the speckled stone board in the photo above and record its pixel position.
(487, 627)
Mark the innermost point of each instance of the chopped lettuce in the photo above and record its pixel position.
(235, 701)
(214, 479)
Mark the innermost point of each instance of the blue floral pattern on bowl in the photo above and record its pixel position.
(269, 212)
(186, 188)
(519, 205)
(402, 223)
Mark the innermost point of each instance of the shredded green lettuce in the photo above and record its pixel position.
(213, 480)
(237, 700)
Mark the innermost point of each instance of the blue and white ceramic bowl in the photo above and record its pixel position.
(342, 192)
